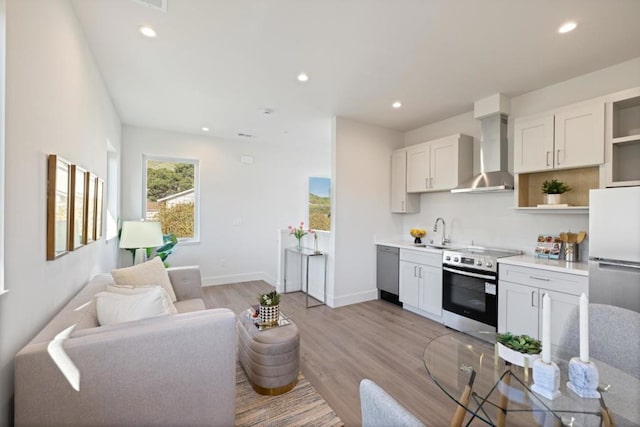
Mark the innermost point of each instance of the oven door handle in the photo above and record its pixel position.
(466, 273)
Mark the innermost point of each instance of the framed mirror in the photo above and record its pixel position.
(58, 189)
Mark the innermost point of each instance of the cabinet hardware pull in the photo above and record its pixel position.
(420, 273)
(403, 205)
(415, 271)
(547, 158)
(544, 279)
(431, 182)
(558, 157)
(532, 295)
(426, 182)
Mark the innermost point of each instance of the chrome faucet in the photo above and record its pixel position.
(444, 230)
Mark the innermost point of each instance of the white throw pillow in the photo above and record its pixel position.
(136, 290)
(150, 273)
(117, 308)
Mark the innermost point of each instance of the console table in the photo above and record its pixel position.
(305, 254)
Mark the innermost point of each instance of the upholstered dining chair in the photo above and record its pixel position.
(379, 409)
(614, 336)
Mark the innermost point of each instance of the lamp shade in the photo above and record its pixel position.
(141, 234)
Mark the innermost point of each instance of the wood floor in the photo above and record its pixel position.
(341, 346)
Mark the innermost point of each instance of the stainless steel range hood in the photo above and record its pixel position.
(493, 155)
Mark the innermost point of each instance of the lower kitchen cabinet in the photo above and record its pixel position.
(421, 282)
(520, 292)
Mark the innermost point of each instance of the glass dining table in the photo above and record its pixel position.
(500, 393)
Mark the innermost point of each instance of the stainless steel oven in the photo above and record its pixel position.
(470, 288)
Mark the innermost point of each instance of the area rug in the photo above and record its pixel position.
(302, 406)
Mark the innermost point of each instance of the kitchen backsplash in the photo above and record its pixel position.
(490, 220)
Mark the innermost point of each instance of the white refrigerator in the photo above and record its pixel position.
(614, 247)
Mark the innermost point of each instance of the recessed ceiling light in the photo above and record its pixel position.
(302, 77)
(147, 31)
(396, 104)
(205, 129)
(567, 26)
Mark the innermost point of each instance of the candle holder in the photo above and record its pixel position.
(546, 379)
(583, 378)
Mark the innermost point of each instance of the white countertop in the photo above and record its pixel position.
(558, 265)
(404, 244)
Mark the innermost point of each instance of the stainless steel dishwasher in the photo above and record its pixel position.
(388, 273)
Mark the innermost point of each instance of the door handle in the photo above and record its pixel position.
(402, 205)
(431, 182)
(420, 273)
(547, 158)
(533, 293)
(426, 182)
(558, 157)
(415, 271)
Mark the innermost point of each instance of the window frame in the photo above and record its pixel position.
(196, 193)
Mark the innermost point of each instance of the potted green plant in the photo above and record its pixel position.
(518, 348)
(553, 189)
(269, 307)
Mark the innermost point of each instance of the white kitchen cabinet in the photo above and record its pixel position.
(401, 201)
(569, 138)
(623, 139)
(533, 143)
(418, 157)
(517, 309)
(520, 292)
(440, 164)
(421, 282)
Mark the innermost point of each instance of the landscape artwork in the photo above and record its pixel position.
(320, 204)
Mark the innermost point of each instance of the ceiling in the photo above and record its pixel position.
(221, 63)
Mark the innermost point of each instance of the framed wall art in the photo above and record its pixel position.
(77, 207)
(91, 207)
(99, 207)
(58, 195)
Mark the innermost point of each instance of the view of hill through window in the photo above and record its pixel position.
(171, 196)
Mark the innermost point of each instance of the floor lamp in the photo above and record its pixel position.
(139, 235)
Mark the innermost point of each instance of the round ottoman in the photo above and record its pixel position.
(270, 358)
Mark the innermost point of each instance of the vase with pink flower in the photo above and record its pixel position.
(299, 232)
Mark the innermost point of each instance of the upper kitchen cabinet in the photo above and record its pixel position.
(623, 139)
(401, 201)
(439, 165)
(570, 138)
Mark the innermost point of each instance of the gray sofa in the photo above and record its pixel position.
(167, 370)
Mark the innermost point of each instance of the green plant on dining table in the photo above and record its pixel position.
(521, 343)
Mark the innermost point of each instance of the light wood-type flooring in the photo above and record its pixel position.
(341, 346)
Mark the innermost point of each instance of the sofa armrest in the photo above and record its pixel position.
(167, 370)
(186, 282)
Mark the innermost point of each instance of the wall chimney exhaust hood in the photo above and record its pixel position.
(492, 112)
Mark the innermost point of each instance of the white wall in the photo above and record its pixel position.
(55, 103)
(242, 206)
(361, 207)
(488, 219)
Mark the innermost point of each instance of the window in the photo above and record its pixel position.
(171, 190)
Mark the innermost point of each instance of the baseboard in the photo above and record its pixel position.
(237, 278)
(352, 298)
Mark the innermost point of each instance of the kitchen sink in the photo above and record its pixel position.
(434, 246)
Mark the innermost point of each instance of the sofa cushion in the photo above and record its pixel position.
(150, 273)
(194, 304)
(117, 308)
(135, 290)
